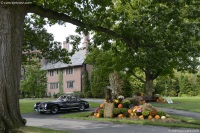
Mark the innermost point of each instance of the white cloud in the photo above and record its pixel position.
(60, 32)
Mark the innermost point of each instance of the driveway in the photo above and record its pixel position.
(83, 126)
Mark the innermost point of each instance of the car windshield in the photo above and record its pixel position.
(62, 98)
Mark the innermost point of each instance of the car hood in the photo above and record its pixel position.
(57, 101)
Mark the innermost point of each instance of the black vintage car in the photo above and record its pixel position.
(63, 103)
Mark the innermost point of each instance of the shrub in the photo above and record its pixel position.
(55, 95)
(88, 94)
(116, 111)
(78, 94)
(122, 110)
(191, 93)
(161, 113)
(101, 112)
(145, 112)
(172, 93)
(180, 94)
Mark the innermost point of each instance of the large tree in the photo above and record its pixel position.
(34, 81)
(163, 36)
(104, 16)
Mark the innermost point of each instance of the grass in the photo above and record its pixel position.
(26, 105)
(186, 122)
(30, 129)
(182, 103)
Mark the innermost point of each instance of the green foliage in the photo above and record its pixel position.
(161, 113)
(172, 93)
(101, 112)
(127, 90)
(37, 39)
(78, 94)
(191, 93)
(122, 110)
(33, 82)
(145, 112)
(86, 82)
(116, 111)
(98, 83)
(88, 94)
(60, 82)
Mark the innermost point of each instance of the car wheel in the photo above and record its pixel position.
(81, 107)
(54, 109)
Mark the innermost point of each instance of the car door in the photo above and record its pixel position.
(67, 103)
(74, 103)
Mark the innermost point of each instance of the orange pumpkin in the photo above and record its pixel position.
(98, 115)
(95, 114)
(141, 117)
(150, 117)
(130, 111)
(102, 105)
(120, 106)
(120, 116)
(157, 117)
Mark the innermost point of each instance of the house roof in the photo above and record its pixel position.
(76, 60)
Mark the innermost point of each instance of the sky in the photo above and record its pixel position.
(60, 32)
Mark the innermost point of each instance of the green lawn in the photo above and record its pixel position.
(26, 129)
(26, 105)
(182, 103)
(186, 121)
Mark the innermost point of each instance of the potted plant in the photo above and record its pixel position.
(139, 111)
(145, 114)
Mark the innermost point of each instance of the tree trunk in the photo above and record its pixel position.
(149, 85)
(11, 35)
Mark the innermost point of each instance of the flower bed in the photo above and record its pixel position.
(135, 108)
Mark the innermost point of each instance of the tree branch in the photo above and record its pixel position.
(39, 10)
(139, 78)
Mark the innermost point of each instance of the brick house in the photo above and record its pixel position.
(69, 75)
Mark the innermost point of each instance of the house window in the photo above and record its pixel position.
(53, 85)
(69, 71)
(70, 84)
(51, 73)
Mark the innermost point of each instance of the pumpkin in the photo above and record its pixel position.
(120, 116)
(120, 106)
(130, 111)
(141, 117)
(163, 117)
(150, 117)
(157, 117)
(95, 114)
(153, 112)
(98, 115)
(102, 105)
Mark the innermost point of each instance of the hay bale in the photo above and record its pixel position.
(108, 110)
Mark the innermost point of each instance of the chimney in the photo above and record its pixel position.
(66, 45)
(86, 39)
